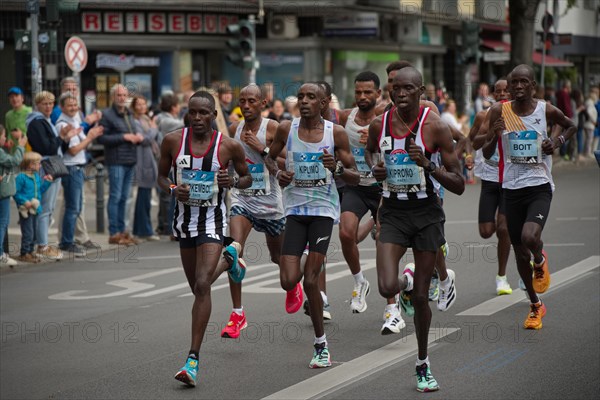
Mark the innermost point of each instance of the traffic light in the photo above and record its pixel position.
(55, 7)
(470, 42)
(242, 45)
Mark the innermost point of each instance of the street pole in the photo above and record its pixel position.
(252, 73)
(545, 35)
(36, 69)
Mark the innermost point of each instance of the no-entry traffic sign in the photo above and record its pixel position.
(76, 54)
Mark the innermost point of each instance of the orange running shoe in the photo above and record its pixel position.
(534, 319)
(541, 276)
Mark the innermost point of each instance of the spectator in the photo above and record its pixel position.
(575, 144)
(291, 108)
(563, 99)
(596, 142)
(15, 118)
(449, 115)
(277, 111)
(167, 122)
(146, 170)
(70, 85)
(47, 141)
(431, 96)
(590, 124)
(483, 94)
(28, 196)
(75, 160)
(8, 167)
(225, 95)
(120, 139)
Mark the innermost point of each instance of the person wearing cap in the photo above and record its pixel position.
(15, 118)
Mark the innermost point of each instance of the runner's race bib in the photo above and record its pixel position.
(524, 147)
(204, 189)
(260, 181)
(309, 170)
(403, 174)
(361, 162)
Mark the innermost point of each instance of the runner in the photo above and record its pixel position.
(259, 206)
(311, 202)
(199, 155)
(411, 214)
(440, 272)
(491, 200)
(525, 165)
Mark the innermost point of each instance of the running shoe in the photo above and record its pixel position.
(502, 286)
(235, 325)
(447, 296)
(237, 270)
(534, 318)
(321, 357)
(326, 310)
(425, 381)
(188, 373)
(541, 276)
(393, 322)
(358, 303)
(434, 288)
(293, 299)
(405, 295)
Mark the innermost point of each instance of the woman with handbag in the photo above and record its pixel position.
(146, 170)
(46, 140)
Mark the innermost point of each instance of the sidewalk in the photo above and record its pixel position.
(101, 239)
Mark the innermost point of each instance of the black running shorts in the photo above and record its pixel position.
(530, 204)
(300, 229)
(361, 199)
(490, 201)
(417, 224)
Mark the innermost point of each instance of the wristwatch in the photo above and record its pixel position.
(431, 167)
(172, 189)
(339, 169)
(236, 181)
(265, 151)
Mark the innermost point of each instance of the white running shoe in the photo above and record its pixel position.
(447, 296)
(502, 286)
(393, 322)
(5, 259)
(359, 297)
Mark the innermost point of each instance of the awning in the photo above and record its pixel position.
(503, 47)
(496, 45)
(550, 61)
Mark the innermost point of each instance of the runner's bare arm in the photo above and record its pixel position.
(271, 131)
(342, 152)
(168, 149)
(372, 150)
(557, 117)
(474, 137)
(496, 127)
(237, 156)
(480, 135)
(277, 147)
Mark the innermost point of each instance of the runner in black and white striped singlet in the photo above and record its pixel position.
(200, 156)
(411, 140)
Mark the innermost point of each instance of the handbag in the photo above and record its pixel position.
(55, 167)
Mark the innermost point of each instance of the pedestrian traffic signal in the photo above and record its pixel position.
(242, 45)
(470, 42)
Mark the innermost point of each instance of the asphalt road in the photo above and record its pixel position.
(117, 324)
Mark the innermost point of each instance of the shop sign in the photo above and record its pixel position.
(124, 63)
(496, 56)
(357, 24)
(155, 22)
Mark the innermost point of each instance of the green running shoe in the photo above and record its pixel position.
(321, 357)
(425, 381)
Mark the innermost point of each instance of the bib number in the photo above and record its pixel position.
(260, 181)
(361, 162)
(403, 174)
(203, 187)
(309, 170)
(524, 147)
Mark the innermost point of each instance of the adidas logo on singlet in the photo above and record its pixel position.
(183, 161)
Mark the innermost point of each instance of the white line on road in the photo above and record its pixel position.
(545, 245)
(559, 278)
(350, 372)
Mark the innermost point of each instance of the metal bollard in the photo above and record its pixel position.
(100, 198)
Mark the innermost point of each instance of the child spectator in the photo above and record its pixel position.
(29, 190)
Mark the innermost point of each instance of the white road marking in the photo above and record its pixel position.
(559, 278)
(128, 283)
(350, 372)
(545, 245)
